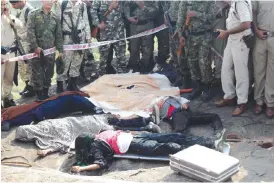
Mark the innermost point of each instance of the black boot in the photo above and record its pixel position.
(60, 87)
(186, 83)
(25, 89)
(39, 94)
(206, 92)
(29, 93)
(8, 103)
(196, 90)
(72, 85)
(45, 93)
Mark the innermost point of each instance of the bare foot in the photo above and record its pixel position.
(45, 152)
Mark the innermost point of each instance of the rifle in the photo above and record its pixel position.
(18, 43)
(113, 5)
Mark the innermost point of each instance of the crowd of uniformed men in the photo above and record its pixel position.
(190, 31)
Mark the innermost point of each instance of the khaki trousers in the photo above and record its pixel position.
(235, 66)
(263, 58)
(7, 72)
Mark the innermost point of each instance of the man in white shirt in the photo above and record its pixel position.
(235, 62)
(23, 10)
(263, 56)
(7, 69)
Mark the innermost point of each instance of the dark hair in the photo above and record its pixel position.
(83, 141)
(14, 2)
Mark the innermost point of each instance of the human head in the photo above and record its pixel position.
(83, 141)
(17, 4)
(4, 5)
(47, 4)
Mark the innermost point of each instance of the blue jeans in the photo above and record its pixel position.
(53, 109)
(155, 144)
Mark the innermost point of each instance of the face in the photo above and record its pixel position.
(47, 4)
(4, 5)
(17, 5)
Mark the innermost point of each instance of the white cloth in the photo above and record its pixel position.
(123, 141)
(236, 17)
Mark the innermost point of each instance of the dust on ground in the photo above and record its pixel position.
(257, 164)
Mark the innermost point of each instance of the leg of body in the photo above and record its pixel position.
(49, 72)
(37, 76)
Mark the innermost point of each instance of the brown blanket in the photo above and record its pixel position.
(12, 112)
(129, 92)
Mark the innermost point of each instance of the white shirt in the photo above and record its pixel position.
(124, 141)
(236, 17)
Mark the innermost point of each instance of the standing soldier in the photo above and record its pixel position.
(180, 61)
(7, 69)
(162, 36)
(141, 15)
(76, 30)
(24, 71)
(44, 32)
(108, 17)
(201, 15)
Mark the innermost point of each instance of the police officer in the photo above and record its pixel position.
(108, 17)
(263, 56)
(22, 14)
(235, 62)
(7, 69)
(141, 15)
(76, 30)
(201, 15)
(44, 31)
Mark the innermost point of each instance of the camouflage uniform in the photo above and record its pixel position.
(200, 40)
(44, 31)
(179, 63)
(23, 68)
(162, 36)
(73, 59)
(145, 22)
(114, 30)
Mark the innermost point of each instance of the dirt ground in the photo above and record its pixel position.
(256, 163)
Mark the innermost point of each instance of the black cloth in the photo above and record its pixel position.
(182, 120)
(98, 152)
(153, 144)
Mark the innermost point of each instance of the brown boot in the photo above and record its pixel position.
(258, 109)
(225, 102)
(240, 109)
(270, 112)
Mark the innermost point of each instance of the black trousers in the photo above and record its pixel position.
(155, 144)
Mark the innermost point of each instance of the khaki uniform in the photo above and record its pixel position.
(235, 62)
(7, 69)
(263, 54)
(73, 59)
(23, 68)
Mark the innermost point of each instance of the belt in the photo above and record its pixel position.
(143, 22)
(199, 33)
(67, 33)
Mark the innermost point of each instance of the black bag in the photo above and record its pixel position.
(249, 40)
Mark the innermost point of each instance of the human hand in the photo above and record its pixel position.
(192, 14)
(223, 34)
(76, 169)
(261, 34)
(102, 26)
(185, 106)
(38, 51)
(182, 41)
(133, 20)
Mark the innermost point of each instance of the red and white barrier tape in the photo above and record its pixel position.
(85, 45)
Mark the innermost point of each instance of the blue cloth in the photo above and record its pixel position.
(53, 109)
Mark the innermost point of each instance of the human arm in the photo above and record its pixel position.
(59, 36)
(91, 167)
(181, 18)
(31, 32)
(94, 12)
(255, 9)
(245, 18)
(87, 26)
